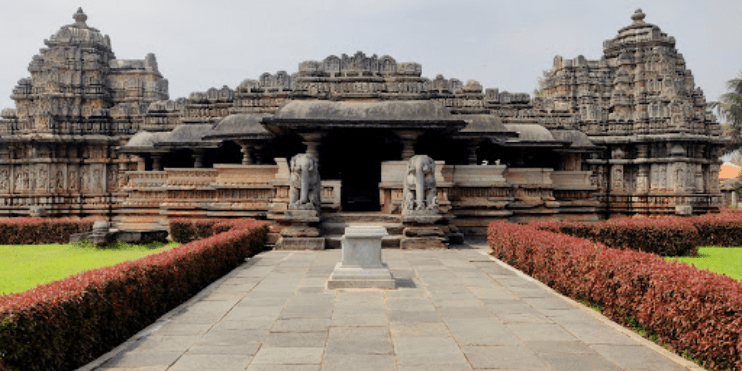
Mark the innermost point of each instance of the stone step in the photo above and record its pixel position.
(333, 241)
(361, 217)
(339, 227)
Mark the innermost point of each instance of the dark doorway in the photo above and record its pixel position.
(354, 157)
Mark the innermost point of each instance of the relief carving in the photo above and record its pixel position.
(305, 185)
(419, 186)
(4, 180)
(617, 177)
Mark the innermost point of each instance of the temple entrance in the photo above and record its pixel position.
(354, 157)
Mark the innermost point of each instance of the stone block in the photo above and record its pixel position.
(683, 210)
(300, 231)
(357, 278)
(428, 231)
(422, 243)
(301, 243)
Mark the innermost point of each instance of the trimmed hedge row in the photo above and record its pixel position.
(662, 236)
(65, 324)
(723, 229)
(184, 230)
(36, 231)
(692, 311)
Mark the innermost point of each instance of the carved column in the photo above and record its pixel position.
(140, 162)
(408, 137)
(642, 179)
(156, 162)
(311, 140)
(245, 152)
(257, 152)
(198, 158)
(472, 159)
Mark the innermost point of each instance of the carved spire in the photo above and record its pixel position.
(80, 18)
(638, 16)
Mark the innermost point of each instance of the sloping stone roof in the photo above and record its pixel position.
(187, 135)
(239, 126)
(577, 138)
(484, 124)
(530, 133)
(143, 141)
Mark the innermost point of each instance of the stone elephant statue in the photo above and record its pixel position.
(305, 184)
(419, 185)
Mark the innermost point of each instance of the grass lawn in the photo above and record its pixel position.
(23, 267)
(724, 260)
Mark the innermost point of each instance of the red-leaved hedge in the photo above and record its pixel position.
(65, 324)
(662, 236)
(665, 236)
(723, 229)
(36, 231)
(186, 230)
(690, 310)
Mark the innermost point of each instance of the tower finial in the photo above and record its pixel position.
(638, 16)
(80, 18)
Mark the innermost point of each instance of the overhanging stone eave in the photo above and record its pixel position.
(192, 145)
(236, 137)
(549, 144)
(282, 125)
(125, 149)
(485, 135)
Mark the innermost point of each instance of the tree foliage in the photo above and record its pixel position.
(729, 109)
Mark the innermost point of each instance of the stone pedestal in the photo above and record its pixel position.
(361, 266)
(301, 234)
(421, 232)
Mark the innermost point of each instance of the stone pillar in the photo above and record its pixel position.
(198, 158)
(140, 162)
(472, 159)
(735, 197)
(642, 179)
(245, 153)
(408, 137)
(257, 152)
(156, 162)
(311, 140)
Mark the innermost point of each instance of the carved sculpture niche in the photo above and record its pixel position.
(419, 187)
(304, 191)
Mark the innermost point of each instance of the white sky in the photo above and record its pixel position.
(501, 44)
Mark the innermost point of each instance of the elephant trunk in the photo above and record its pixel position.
(420, 187)
(304, 192)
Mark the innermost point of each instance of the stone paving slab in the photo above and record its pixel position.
(456, 309)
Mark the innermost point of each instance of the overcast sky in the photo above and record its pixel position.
(501, 44)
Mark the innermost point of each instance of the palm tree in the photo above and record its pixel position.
(729, 109)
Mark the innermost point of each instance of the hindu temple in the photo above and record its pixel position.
(358, 139)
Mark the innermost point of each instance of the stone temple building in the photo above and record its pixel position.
(359, 139)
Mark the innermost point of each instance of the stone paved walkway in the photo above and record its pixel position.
(456, 309)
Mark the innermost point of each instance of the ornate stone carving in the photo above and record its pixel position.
(305, 185)
(420, 195)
